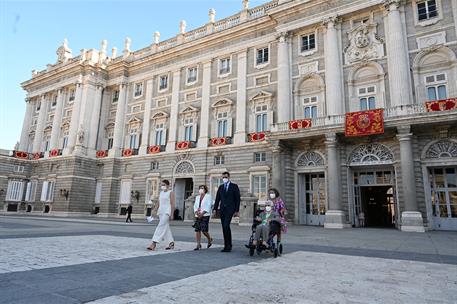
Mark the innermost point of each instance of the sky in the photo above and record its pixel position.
(32, 30)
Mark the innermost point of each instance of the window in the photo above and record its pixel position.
(310, 107)
(98, 192)
(367, 98)
(160, 134)
(115, 96)
(14, 191)
(443, 186)
(191, 75)
(188, 129)
(155, 165)
(110, 140)
(427, 10)
(47, 191)
(18, 169)
(308, 43)
(30, 191)
(163, 82)
(259, 186)
(71, 96)
(261, 118)
(138, 89)
(151, 190)
(133, 139)
(46, 144)
(260, 157)
(436, 86)
(124, 197)
(222, 124)
(65, 140)
(215, 183)
(54, 102)
(219, 160)
(224, 66)
(262, 56)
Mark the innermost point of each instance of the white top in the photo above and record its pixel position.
(164, 203)
(206, 204)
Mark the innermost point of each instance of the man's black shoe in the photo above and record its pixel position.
(226, 250)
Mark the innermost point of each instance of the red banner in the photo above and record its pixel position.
(218, 141)
(441, 105)
(183, 145)
(253, 137)
(127, 152)
(154, 149)
(53, 153)
(364, 123)
(101, 154)
(299, 124)
(21, 154)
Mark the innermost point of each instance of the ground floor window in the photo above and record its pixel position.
(15, 190)
(315, 194)
(47, 191)
(443, 185)
(124, 197)
(259, 186)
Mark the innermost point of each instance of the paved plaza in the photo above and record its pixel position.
(61, 260)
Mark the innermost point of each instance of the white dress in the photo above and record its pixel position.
(163, 231)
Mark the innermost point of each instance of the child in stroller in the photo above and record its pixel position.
(267, 225)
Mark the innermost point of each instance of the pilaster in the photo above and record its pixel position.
(37, 143)
(240, 134)
(95, 120)
(205, 108)
(146, 118)
(74, 122)
(119, 124)
(24, 141)
(55, 133)
(171, 144)
(284, 96)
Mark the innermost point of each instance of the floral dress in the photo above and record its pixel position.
(280, 208)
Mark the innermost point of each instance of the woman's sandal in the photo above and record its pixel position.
(170, 246)
(198, 247)
(153, 247)
(210, 243)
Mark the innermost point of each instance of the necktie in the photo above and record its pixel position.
(226, 187)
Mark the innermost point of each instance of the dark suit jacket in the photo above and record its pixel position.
(129, 209)
(228, 200)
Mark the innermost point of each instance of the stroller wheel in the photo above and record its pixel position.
(276, 252)
(280, 248)
(259, 249)
(251, 251)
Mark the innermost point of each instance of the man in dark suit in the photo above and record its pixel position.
(228, 196)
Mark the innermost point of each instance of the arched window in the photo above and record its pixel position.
(309, 97)
(366, 87)
(371, 154)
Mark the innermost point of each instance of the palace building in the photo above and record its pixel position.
(347, 107)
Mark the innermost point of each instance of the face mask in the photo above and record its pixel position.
(163, 188)
(201, 191)
(268, 208)
(225, 180)
(272, 195)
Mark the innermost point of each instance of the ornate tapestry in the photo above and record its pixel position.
(299, 124)
(441, 105)
(364, 123)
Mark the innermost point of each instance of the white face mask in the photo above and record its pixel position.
(272, 195)
(164, 188)
(225, 180)
(201, 191)
(268, 208)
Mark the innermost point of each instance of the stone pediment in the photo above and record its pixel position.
(262, 95)
(222, 103)
(159, 115)
(134, 120)
(109, 126)
(364, 44)
(188, 110)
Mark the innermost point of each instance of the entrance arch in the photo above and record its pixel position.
(183, 184)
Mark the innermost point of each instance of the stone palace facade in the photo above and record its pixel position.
(262, 94)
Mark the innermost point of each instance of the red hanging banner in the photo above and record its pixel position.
(299, 124)
(364, 123)
(441, 105)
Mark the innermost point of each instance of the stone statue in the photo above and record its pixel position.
(81, 134)
(182, 27)
(156, 37)
(245, 4)
(212, 15)
(127, 43)
(63, 52)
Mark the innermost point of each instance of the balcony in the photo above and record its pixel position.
(184, 145)
(55, 152)
(422, 113)
(220, 141)
(156, 149)
(129, 152)
(101, 153)
(37, 155)
(258, 136)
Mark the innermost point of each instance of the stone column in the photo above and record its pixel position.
(24, 142)
(95, 120)
(37, 143)
(333, 69)
(205, 109)
(240, 134)
(146, 118)
(284, 96)
(55, 133)
(411, 218)
(334, 217)
(119, 124)
(74, 123)
(397, 57)
(171, 144)
(277, 171)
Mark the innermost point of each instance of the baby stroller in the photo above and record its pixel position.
(273, 245)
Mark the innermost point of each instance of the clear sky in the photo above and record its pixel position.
(31, 31)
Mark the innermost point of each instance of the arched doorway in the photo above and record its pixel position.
(183, 186)
(373, 202)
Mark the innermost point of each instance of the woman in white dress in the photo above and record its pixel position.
(163, 209)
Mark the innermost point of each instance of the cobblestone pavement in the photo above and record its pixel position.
(304, 277)
(52, 260)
